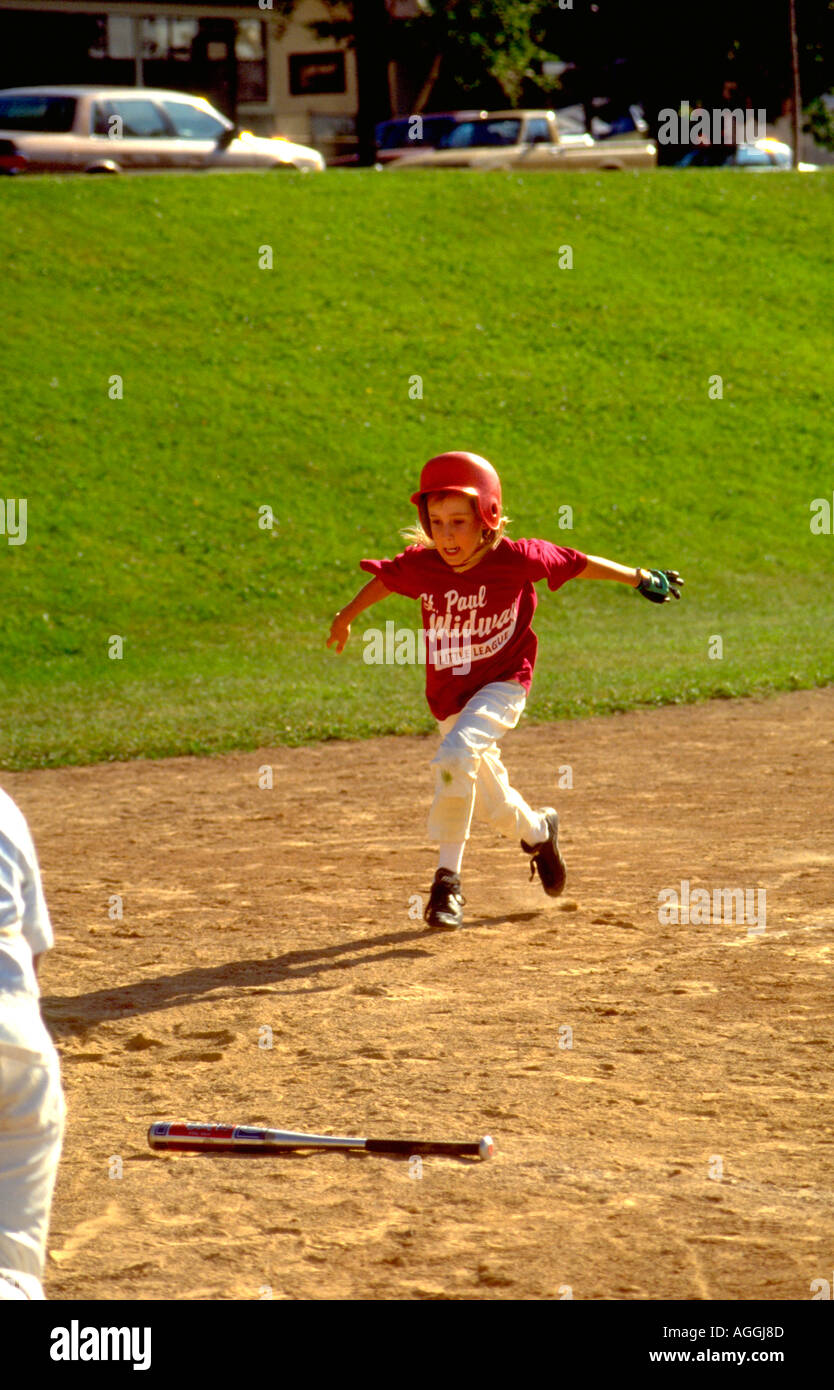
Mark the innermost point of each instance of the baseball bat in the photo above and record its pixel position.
(240, 1139)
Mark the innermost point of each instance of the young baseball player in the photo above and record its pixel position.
(476, 590)
(31, 1099)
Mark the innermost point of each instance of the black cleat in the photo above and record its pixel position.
(547, 858)
(445, 908)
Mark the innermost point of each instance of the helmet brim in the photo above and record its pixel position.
(417, 497)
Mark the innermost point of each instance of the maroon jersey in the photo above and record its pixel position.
(477, 623)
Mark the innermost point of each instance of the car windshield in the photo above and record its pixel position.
(193, 122)
(750, 155)
(54, 114)
(476, 134)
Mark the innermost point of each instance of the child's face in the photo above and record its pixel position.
(455, 526)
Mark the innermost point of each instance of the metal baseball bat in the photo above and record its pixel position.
(243, 1139)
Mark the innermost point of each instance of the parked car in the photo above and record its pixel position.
(766, 153)
(107, 129)
(605, 125)
(530, 140)
(407, 134)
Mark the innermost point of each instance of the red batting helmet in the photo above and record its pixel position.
(459, 472)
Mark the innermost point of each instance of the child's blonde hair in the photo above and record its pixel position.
(417, 535)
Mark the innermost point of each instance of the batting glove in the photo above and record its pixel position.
(660, 586)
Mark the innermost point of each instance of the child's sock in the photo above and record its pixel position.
(450, 855)
(542, 833)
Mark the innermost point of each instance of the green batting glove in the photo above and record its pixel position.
(660, 586)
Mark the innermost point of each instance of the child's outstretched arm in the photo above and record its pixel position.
(372, 592)
(657, 585)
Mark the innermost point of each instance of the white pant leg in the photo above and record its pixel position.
(17, 1287)
(468, 763)
(500, 804)
(31, 1131)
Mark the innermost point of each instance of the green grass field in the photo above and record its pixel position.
(289, 388)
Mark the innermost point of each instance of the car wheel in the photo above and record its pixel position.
(11, 161)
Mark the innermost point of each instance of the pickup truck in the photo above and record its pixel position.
(527, 140)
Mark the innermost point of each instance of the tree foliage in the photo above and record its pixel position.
(496, 38)
(651, 52)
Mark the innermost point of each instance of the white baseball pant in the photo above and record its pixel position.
(31, 1131)
(470, 778)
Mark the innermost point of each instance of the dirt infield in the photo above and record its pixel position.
(680, 1148)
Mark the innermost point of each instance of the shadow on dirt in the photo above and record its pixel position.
(69, 1015)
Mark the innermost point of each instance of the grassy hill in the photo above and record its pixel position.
(292, 388)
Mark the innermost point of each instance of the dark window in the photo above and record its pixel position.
(167, 39)
(101, 119)
(412, 132)
(55, 114)
(538, 131)
(161, 37)
(250, 55)
(316, 73)
(478, 134)
(114, 37)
